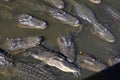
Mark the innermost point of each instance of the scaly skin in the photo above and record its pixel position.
(67, 46)
(103, 33)
(88, 62)
(114, 60)
(5, 59)
(5, 63)
(31, 71)
(87, 14)
(111, 11)
(21, 70)
(57, 3)
(20, 44)
(83, 11)
(30, 22)
(54, 59)
(113, 55)
(63, 17)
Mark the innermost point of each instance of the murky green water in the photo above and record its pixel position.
(85, 40)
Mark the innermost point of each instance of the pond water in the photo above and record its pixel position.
(85, 40)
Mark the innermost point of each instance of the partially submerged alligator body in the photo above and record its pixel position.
(19, 44)
(89, 62)
(67, 46)
(21, 70)
(87, 14)
(54, 59)
(63, 17)
(57, 3)
(30, 22)
(31, 71)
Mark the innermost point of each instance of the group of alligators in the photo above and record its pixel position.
(64, 59)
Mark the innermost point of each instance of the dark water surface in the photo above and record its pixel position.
(85, 40)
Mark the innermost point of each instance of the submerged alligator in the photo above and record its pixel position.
(30, 22)
(64, 17)
(81, 10)
(89, 62)
(5, 63)
(20, 44)
(54, 59)
(114, 59)
(111, 11)
(42, 8)
(20, 70)
(87, 14)
(114, 56)
(57, 3)
(67, 46)
(32, 71)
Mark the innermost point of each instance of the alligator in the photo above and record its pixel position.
(16, 45)
(63, 17)
(57, 3)
(103, 33)
(67, 46)
(90, 63)
(113, 56)
(31, 71)
(115, 59)
(43, 8)
(30, 22)
(87, 14)
(53, 59)
(22, 70)
(82, 11)
(111, 11)
(5, 60)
